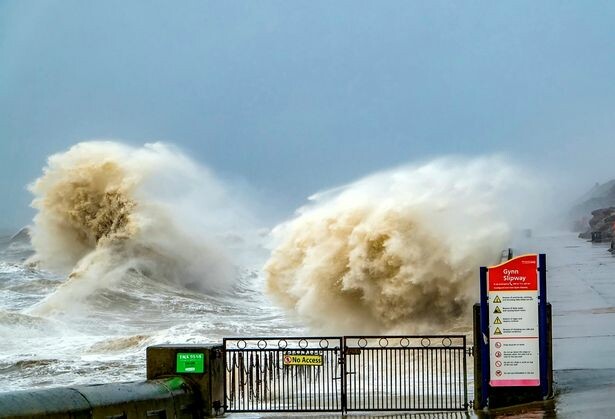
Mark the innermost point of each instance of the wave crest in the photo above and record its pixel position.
(106, 210)
(397, 251)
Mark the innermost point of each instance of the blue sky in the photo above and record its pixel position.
(292, 97)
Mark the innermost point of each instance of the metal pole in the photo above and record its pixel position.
(542, 324)
(484, 338)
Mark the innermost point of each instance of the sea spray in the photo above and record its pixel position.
(107, 211)
(398, 251)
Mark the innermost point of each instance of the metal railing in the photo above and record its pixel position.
(257, 378)
(353, 373)
(406, 373)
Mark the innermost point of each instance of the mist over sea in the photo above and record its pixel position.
(135, 246)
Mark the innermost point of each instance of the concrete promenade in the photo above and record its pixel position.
(581, 289)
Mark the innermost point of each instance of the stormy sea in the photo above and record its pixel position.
(136, 246)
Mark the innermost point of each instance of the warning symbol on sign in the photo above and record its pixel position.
(497, 321)
(497, 331)
(497, 310)
(497, 299)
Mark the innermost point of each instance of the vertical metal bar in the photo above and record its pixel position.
(448, 377)
(461, 358)
(294, 385)
(415, 375)
(458, 380)
(366, 378)
(455, 378)
(441, 380)
(465, 375)
(484, 331)
(542, 325)
(287, 382)
(383, 377)
(251, 379)
(389, 392)
(405, 366)
(227, 378)
(311, 385)
(349, 379)
(399, 379)
(300, 377)
(243, 381)
(378, 377)
(356, 378)
(343, 368)
(330, 378)
(338, 388)
(419, 366)
(316, 386)
(431, 379)
(326, 382)
(438, 378)
(426, 378)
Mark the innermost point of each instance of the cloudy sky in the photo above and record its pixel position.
(291, 97)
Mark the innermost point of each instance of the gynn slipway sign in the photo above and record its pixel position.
(512, 294)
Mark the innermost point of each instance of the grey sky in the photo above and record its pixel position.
(293, 97)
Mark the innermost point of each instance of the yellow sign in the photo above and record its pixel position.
(497, 321)
(497, 310)
(497, 300)
(299, 359)
(497, 331)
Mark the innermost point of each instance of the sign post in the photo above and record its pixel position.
(513, 323)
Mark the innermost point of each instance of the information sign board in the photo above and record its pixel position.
(190, 363)
(512, 294)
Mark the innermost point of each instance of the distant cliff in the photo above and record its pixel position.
(600, 197)
(602, 221)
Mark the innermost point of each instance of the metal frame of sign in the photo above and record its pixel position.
(542, 327)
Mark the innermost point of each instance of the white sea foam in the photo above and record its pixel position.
(399, 250)
(106, 209)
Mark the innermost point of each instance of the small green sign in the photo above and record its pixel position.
(190, 363)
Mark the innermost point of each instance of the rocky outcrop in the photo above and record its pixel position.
(600, 197)
(601, 225)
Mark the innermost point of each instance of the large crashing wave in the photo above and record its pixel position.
(397, 251)
(107, 210)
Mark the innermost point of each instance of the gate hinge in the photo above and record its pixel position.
(470, 351)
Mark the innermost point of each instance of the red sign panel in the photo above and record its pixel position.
(514, 351)
(519, 274)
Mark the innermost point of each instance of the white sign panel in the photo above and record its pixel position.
(513, 322)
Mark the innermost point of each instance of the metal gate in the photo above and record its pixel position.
(352, 373)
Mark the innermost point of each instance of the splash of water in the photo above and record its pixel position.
(398, 251)
(107, 210)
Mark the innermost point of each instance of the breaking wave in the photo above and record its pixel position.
(399, 250)
(107, 210)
